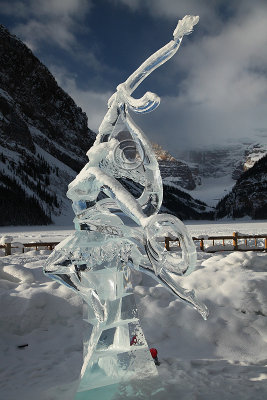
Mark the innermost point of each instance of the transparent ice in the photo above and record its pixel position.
(117, 232)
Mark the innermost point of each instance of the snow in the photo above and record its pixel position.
(226, 227)
(36, 132)
(13, 155)
(52, 161)
(223, 358)
(6, 239)
(212, 189)
(256, 153)
(27, 234)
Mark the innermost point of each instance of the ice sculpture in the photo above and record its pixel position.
(117, 232)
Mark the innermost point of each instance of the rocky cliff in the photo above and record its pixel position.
(174, 171)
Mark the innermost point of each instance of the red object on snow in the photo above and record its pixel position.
(133, 340)
(154, 352)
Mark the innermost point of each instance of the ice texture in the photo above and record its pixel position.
(98, 259)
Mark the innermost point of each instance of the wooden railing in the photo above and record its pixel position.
(9, 246)
(235, 239)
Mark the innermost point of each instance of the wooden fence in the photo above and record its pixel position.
(9, 246)
(240, 242)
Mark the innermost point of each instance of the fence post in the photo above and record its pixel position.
(201, 245)
(167, 243)
(235, 237)
(8, 249)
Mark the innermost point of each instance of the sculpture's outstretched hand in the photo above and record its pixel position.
(167, 265)
(185, 26)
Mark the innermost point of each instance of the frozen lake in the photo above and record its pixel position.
(56, 233)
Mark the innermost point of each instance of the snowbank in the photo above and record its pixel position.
(223, 358)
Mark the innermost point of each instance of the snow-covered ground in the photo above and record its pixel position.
(226, 227)
(223, 358)
(27, 234)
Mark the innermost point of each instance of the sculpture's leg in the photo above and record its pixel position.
(110, 360)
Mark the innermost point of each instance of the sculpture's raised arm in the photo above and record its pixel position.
(151, 197)
(150, 100)
(184, 27)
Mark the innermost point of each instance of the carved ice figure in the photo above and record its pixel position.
(96, 261)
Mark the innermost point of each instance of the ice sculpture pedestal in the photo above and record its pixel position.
(104, 393)
(149, 388)
(107, 344)
(114, 359)
(110, 312)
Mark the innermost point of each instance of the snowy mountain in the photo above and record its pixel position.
(43, 138)
(43, 141)
(248, 196)
(216, 169)
(206, 176)
(179, 181)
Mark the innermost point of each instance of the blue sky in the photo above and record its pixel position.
(212, 91)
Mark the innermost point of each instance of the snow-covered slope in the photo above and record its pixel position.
(249, 195)
(43, 138)
(183, 205)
